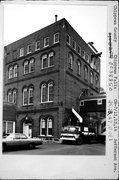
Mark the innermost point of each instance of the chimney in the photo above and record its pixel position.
(56, 18)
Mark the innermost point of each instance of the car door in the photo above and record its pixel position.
(24, 140)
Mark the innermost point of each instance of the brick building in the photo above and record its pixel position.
(44, 75)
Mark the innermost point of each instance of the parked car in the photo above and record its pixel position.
(75, 134)
(20, 140)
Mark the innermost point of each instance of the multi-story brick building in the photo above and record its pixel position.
(45, 74)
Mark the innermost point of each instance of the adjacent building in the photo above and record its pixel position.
(45, 74)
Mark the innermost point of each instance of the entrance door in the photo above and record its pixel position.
(27, 129)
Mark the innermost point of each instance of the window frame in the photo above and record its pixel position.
(51, 54)
(74, 44)
(29, 49)
(31, 89)
(25, 90)
(21, 52)
(10, 72)
(68, 39)
(49, 120)
(42, 120)
(70, 60)
(36, 45)
(14, 98)
(26, 63)
(85, 73)
(46, 41)
(10, 99)
(31, 61)
(55, 38)
(46, 58)
(79, 50)
(79, 67)
(16, 70)
(49, 93)
(91, 77)
(45, 94)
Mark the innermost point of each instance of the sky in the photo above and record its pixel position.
(90, 22)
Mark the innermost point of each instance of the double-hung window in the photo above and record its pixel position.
(30, 95)
(70, 59)
(21, 53)
(10, 98)
(85, 73)
(44, 61)
(15, 71)
(31, 65)
(26, 67)
(91, 77)
(49, 127)
(37, 45)
(74, 45)
(42, 125)
(51, 59)
(56, 38)
(79, 50)
(14, 96)
(10, 72)
(50, 92)
(29, 49)
(43, 93)
(25, 96)
(46, 41)
(83, 54)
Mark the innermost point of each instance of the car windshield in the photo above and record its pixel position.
(71, 129)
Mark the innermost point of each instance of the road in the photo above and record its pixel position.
(55, 148)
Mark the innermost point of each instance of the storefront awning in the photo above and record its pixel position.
(77, 115)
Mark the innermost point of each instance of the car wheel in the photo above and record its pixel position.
(79, 141)
(31, 146)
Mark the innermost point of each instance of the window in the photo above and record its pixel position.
(79, 67)
(44, 61)
(85, 73)
(10, 72)
(87, 58)
(70, 58)
(68, 39)
(103, 127)
(49, 127)
(79, 50)
(8, 127)
(26, 67)
(14, 96)
(43, 126)
(51, 59)
(29, 49)
(25, 96)
(47, 92)
(31, 95)
(46, 41)
(10, 96)
(56, 38)
(21, 52)
(50, 92)
(31, 65)
(43, 93)
(91, 77)
(74, 45)
(37, 45)
(15, 71)
(83, 54)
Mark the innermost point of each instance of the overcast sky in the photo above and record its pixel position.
(90, 22)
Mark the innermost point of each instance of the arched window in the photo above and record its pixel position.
(50, 91)
(85, 73)
(15, 96)
(31, 65)
(26, 67)
(10, 98)
(70, 60)
(30, 95)
(51, 59)
(91, 77)
(79, 67)
(25, 96)
(15, 70)
(49, 127)
(10, 72)
(43, 93)
(44, 61)
(42, 127)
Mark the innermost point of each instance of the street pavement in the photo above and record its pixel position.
(56, 148)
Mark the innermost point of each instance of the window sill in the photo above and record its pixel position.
(27, 105)
(47, 67)
(47, 102)
(28, 73)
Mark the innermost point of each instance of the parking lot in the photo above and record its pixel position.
(56, 148)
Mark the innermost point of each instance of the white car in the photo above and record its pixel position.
(20, 140)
